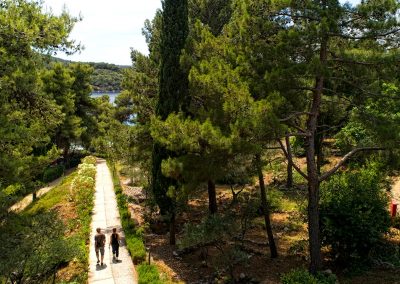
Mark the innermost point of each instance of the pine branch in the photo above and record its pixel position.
(344, 159)
(291, 160)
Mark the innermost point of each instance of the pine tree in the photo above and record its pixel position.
(172, 96)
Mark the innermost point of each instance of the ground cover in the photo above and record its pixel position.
(62, 218)
(290, 230)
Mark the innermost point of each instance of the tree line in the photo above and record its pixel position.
(46, 108)
(227, 81)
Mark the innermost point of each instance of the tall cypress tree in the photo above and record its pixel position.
(172, 94)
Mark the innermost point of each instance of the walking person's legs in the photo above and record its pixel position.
(102, 255)
(97, 254)
(115, 251)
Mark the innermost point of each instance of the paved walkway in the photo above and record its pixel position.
(396, 190)
(106, 217)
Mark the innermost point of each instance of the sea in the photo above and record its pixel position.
(111, 95)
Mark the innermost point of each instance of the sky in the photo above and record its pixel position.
(109, 28)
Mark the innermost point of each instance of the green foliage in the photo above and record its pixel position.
(214, 228)
(224, 232)
(53, 172)
(298, 146)
(173, 91)
(83, 188)
(106, 80)
(89, 160)
(354, 213)
(136, 248)
(34, 247)
(68, 86)
(396, 222)
(133, 236)
(77, 188)
(301, 276)
(148, 274)
(354, 134)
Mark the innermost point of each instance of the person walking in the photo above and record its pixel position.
(114, 243)
(99, 243)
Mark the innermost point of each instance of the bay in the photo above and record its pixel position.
(111, 95)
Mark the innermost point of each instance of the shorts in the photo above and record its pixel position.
(101, 249)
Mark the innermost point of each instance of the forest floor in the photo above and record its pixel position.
(289, 229)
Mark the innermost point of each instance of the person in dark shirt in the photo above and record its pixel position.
(99, 243)
(114, 243)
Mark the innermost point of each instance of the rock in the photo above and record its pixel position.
(242, 275)
(136, 193)
(127, 181)
(327, 271)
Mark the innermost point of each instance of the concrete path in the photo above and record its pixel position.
(23, 203)
(106, 217)
(396, 190)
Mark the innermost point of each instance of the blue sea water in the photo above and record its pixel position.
(111, 95)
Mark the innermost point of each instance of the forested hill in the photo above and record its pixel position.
(106, 77)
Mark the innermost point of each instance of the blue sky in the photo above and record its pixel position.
(109, 28)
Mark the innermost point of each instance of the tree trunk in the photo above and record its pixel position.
(212, 197)
(265, 209)
(312, 169)
(172, 230)
(289, 181)
(319, 151)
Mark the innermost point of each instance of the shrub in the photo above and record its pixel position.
(353, 134)
(136, 248)
(52, 173)
(396, 222)
(298, 146)
(301, 276)
(274, 197)
(298, 276)
(354, 213)
(89, 160)
(148, 274)
(133, 236)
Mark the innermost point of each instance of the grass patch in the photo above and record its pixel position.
(148, 274)
(55, 196)
(51, 235)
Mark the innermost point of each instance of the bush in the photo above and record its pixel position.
(136, 248)
(298, 276)
(301, 276)
(148, 274)
(133, 236)
(396, 222)
(298, 146)
(89, 160)
(52, 173)
(354, 213)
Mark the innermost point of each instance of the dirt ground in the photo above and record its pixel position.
(290, 235)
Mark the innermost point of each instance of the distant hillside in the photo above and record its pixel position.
(106, 77)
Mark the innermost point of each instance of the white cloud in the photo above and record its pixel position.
(109, 28)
